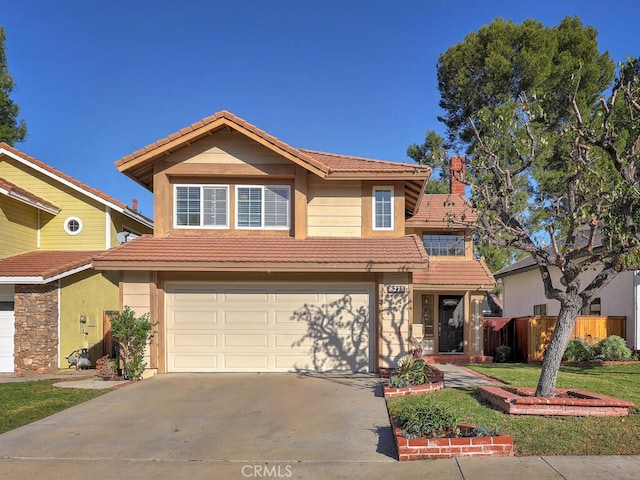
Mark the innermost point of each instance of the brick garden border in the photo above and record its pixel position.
(433, 448)
(435, 382)
(520, 401)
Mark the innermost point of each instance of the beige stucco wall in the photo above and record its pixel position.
(334, 208)
(394, 318)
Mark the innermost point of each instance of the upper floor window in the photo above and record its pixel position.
(444, 245)
(73, 225)
(202, 206)
(383, 208)
(263, 206)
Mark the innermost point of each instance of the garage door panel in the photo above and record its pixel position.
(297, 298)
(287, 341)
(190, 320)
(193, 363)
(192, 342)
(246, 362)
(245, 296)
(246, 340)
(247, 318)
(270, 327)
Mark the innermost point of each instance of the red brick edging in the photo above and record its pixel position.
(430, 448)
(436, 382)
(520, 401)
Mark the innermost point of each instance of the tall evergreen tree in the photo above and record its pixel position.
(552, 139)
(12, 130)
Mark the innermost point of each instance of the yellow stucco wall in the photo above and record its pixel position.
(18, 227)
(87, 293)
(72, 203)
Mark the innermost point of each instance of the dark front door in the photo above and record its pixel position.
(451, 320)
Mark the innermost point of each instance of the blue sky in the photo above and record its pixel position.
(96, 81)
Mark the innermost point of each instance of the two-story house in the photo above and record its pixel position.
(267, 257)
(51, 226)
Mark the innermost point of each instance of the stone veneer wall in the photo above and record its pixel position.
(36, 338)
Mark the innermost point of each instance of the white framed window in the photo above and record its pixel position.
(73, 225)
(201, 206)
(383, 208)
(263, 207)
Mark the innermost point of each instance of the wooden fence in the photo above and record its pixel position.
(532, 334)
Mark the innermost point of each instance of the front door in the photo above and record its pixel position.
(450, 323)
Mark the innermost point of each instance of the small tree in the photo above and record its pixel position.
(132, 334)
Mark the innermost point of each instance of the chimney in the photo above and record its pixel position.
(457, 172)
(134, 204)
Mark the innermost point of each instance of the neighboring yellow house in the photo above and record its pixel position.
(267, 257)
(51, 226)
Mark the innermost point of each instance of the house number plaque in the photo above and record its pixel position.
(397, 288)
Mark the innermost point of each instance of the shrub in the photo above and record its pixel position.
(419, 416)
(395, 381)
(578, 351)
(613, 348)
(132, 334)
(412, 370)
(503, 354)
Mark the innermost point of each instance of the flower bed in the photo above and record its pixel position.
(462, 446)
(435, 381)
(521, 401)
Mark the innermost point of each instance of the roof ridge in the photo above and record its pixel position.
(366, 159)
(105, 196)
(225, 114)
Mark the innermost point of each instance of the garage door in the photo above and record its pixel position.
(7, 330)
(272, 327)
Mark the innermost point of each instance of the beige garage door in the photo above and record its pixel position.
(276, 327)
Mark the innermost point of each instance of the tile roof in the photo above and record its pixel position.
(44, 266)
(455, 273)
(440, 209)
(277, 253)
(12, 190)
(348, 163)
(139, 164)
(13, 152)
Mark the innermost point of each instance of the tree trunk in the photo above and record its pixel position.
(555, 350)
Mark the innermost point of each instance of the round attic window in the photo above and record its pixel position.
(73, 225)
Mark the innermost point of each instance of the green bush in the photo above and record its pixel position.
(132, 334)
(412, 370)
(419, 416)
(503, 354)
(578, 351)
(613, 348)
(395, 381)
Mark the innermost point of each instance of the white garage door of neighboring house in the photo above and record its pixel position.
(7, 331)
(275, 327)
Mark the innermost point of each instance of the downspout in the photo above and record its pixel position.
(38, 232)
(59, 326)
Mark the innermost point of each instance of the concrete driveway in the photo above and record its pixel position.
(232, 419)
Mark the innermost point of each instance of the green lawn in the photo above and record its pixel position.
(556, 435)
(26, 402)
